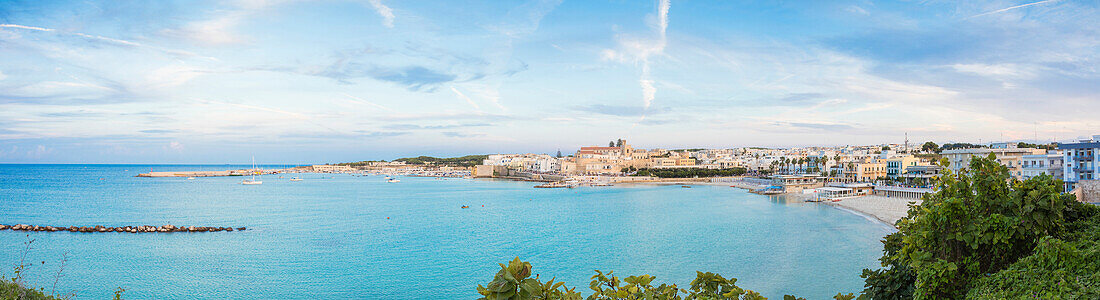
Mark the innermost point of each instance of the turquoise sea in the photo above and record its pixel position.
(328, 237)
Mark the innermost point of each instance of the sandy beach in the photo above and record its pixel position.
(887, 210)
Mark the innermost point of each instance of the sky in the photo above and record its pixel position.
(324, 81)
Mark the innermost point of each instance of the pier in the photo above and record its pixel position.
(125, 229)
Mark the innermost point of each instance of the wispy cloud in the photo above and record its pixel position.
(358, 100)
(25, 27)
(467, 99)
(640, 50)
(622, 111)
(414, 78)
(433, 127)
(461, 134)
(113, 41)
(384, 11)
(1011, 8)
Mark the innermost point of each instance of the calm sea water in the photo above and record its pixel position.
(329, 237)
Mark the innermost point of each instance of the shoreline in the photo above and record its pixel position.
(886, 210)
(877, 209)
(869, 217)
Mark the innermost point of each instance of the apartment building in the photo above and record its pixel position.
(1010, 157)
(1081, 161)
(1042, 164)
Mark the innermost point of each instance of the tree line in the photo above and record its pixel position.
(687, 172)
(461, 161)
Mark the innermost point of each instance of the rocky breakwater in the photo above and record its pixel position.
(124, 229)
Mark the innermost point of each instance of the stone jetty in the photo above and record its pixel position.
(126, 229)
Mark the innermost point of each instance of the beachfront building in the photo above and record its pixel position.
(897, 166)
(538, 163)
(1010, 157)
(1081, 162)
(1042, 164)
(921, 174)
(330, 168)
(866, 169)
(797, 183)
(870, 171)
(901, 192)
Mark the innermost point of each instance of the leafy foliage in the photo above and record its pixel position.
(979, 221)
(930, 147)
(895, 280)
(1050, 146)
(953, 146)
(690, 172)
(462, 161)
(512, 283)
(1066, 267)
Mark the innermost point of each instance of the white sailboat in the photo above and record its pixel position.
(252, 181)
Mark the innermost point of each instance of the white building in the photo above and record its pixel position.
(540, 163)
(1080, 161)
(1010, 157)
(1042, 164)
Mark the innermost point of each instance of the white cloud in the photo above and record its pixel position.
(25, 27)
(2, 76)
(215, 31)
(488, 93)
(175, 146)
(171, 76)
(995, 70)
(639, 50)
(358, 100)
(467, 99)
(218, 30)
(385, 11)
(1011, 8)
(39, 151)
(857, 10)
(60, 89)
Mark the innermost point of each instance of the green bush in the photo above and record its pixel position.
(980, 221)
(513, 282)
(1059, 268)
(690, 172)
(11, 290)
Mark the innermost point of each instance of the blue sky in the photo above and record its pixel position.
(327, 81)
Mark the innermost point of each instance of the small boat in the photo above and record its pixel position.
(686, 186)
(295, 179)
(465, 206)
(252, 181)
(393, 180)
(190, 178)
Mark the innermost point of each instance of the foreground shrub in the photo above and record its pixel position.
(513, 282)
(980, 221)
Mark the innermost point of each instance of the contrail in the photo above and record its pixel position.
(361, 101)
(109, 40)
(25, 27)
(463, 97)
(1010, 8)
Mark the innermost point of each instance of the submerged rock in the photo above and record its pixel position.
(129, 229)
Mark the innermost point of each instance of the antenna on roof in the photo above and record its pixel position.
(906, 142)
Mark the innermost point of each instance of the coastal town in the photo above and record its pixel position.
(880, 181)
